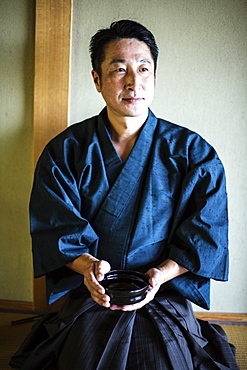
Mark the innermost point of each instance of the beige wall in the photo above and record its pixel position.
(201, 84)
(16, 94)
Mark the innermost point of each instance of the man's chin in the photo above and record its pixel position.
(135, 111)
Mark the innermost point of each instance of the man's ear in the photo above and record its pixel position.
(96, 80)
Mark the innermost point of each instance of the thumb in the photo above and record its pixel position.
(101, 268)
(155, 277)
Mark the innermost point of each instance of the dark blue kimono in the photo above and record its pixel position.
(168, 200)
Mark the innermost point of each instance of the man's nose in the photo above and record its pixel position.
(132, 80)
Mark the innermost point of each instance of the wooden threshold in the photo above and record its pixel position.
(21, 306)
(16, 305)
(216, 316)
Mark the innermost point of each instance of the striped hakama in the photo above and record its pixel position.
(162, 335)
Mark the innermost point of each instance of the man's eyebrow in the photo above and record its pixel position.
(118, 60)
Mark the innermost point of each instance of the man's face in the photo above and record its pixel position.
(127, 78)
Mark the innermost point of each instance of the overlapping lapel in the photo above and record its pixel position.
(131, 171)
(114, 220)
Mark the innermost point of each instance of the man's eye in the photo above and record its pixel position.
(120, 70)
(143, 69)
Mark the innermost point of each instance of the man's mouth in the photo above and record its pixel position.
(132, 100)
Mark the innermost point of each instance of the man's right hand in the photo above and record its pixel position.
(93, 271)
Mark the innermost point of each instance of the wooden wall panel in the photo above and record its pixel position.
(51, 85)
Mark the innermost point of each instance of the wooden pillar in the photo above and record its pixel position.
(51, 85)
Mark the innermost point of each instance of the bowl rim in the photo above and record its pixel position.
(127, 273)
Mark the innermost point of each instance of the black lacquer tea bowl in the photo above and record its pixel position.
(125, 287)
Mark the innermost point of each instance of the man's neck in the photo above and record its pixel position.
(122, 128)
(124, 132)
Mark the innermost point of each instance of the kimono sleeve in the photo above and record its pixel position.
(199, 239)
(59, 232)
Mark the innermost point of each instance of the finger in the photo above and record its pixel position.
(97, 294)
(129, 307)
(101, 299)
(92, 284)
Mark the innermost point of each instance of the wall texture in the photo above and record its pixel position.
(16, 165)
(201, 84)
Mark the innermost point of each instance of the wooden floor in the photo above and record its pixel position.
(11, 336)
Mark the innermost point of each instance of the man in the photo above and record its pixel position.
(125, 190)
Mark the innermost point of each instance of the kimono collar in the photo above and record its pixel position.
(127, 175)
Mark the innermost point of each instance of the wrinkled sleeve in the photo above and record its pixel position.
(199, 239)
(59, 233)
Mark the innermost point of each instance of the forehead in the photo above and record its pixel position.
(126, 49)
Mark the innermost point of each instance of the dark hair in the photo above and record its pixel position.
(123, 29)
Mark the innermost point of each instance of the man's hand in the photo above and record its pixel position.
(93, 271)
